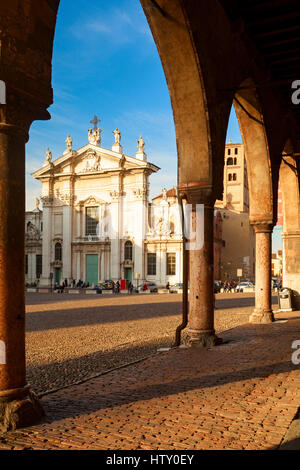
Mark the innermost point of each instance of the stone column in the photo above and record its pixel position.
(18, 405)
(263, 274)
(201, 265)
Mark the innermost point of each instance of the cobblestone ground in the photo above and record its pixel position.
(239, 395)
(72, 337)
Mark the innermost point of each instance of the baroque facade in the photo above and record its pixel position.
(94, 212)
(98, 224)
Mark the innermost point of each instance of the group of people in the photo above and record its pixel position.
(227, 285)
(117, 287)
(80, 284)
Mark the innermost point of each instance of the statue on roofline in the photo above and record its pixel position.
(141, 145)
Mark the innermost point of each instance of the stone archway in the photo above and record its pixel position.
(262, 180)
(205, 60)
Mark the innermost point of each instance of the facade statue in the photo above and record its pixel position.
(48, 155)
(94, 136)
(117, 135)
(69, 143)
(141, 145)
(37, 203)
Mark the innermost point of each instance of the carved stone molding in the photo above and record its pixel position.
(91, 201)
(68, 199)
(47, 201)
(140, 193)
(115, 194)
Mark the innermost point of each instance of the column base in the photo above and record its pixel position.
(19, 408)
(261, 316)
(202, 339)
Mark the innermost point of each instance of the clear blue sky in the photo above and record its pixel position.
(105, 62)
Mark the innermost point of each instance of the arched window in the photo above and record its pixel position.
(234, 161)
(228, 151)
(229, 177)
(234, 176)
(230, 161)
(58, 251)
(128, 250)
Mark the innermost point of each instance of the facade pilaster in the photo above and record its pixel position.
(47, 240)
(67, 242)
(114, 235)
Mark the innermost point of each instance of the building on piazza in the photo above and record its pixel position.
(96, 222)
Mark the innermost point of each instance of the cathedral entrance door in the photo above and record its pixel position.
(128, 274)
(57, 275)
(91, 269)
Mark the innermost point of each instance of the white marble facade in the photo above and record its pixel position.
(97, 223)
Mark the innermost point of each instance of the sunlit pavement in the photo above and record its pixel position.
(71, 337)
(243, 394)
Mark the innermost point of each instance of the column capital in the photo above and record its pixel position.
(262, 227)
(262, 223)
(17, 115)
(197, 192)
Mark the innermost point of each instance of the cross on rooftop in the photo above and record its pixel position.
(95, 121)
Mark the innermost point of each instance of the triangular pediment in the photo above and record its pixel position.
(92, 200)
(90, 159)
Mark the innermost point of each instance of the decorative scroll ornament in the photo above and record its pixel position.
(92, 162)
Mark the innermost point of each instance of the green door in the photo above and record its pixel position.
(128, 274)
(57, 274)
(91, 269)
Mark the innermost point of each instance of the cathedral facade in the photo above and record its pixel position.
(96, 222)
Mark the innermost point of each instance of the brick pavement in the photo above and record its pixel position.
(241, 395)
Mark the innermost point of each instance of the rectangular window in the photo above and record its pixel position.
(151, 264)
(38, 265)
(91, 220)
(171, 264)
(26, 264)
